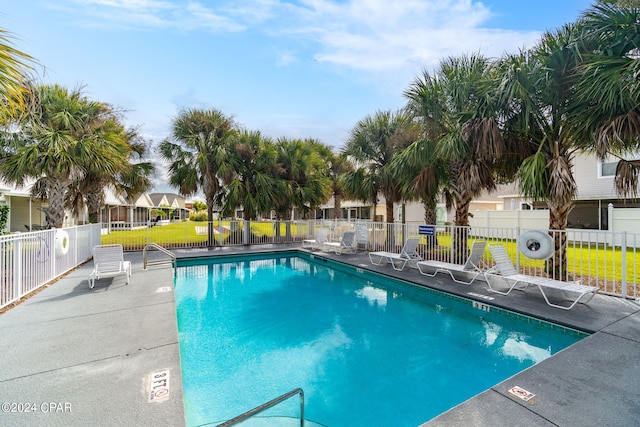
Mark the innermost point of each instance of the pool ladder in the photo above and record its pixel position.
(146, 262)
(265, 406)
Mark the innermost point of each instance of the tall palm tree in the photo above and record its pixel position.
(198, 146)
(338, 165)
(131, 180)
(62, 140)
(458, 113)
(536, 88)
(607, 102)
(302, 176)
(251, 168)
(422, 175)
(14, 82)
(372, 144)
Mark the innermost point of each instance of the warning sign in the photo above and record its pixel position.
(521, 393)
(159, 386)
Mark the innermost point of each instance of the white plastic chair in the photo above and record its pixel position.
(108, 261)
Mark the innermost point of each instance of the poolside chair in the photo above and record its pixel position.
(108, 261)
(346, 244)
(407, 253)
(322, 235)
(472, 267)
(506, 271)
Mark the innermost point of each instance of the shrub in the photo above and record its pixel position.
(198, 216)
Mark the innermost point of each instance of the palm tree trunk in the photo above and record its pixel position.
(390, 225)
(55, 213)
(337, 205)
(211, 239)
(460, 235)
(94, 204)
(430, 218)
(558, 219)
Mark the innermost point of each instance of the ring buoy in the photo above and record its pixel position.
(535, 245)
(61, 243)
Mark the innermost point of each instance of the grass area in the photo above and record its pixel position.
(180, 234)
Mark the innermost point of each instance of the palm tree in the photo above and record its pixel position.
(422, 175)
(14, 83)
(607, 102)
(457, 112)
(302, 176)
(251, 166)
(64, 138)
(536, 88)
(338, 165)
(199, 145)
(372, 144)
(132, 179)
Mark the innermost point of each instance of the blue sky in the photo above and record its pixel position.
(299, 69)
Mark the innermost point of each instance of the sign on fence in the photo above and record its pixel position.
(427, 230)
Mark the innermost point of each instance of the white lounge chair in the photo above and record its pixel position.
(472, 267)
(322, 236)
(407, 253)
(510, 276)
(108, 261)
(346, 244)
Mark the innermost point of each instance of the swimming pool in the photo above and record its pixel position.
(367, 350)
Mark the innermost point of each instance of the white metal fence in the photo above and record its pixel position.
(30, 260)
(609, 260)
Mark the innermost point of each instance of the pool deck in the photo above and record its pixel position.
(72, 356)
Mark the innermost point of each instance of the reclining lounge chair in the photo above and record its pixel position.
(510, 276)
(346, 244)
(472, 267)
(322, 236)
(407, 253)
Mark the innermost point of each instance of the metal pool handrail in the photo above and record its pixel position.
(165, 251)
(268, 405)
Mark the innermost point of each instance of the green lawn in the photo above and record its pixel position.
(180, 234)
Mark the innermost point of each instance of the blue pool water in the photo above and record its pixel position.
(366, 350)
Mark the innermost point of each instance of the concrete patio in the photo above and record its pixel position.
(72, 356)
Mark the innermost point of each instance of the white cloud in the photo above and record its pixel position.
(389, 40)
(395, 39)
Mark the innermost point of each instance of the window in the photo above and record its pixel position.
(608, 169)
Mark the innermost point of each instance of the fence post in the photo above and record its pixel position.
(517, 251)
(247, 231)
(52, 256)
(623, 263)
(611, 224)
(17, 269)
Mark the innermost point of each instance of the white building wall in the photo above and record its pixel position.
(586, 172)
(530, 219)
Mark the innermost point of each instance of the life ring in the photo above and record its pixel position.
(535, 245)
(61, 243)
